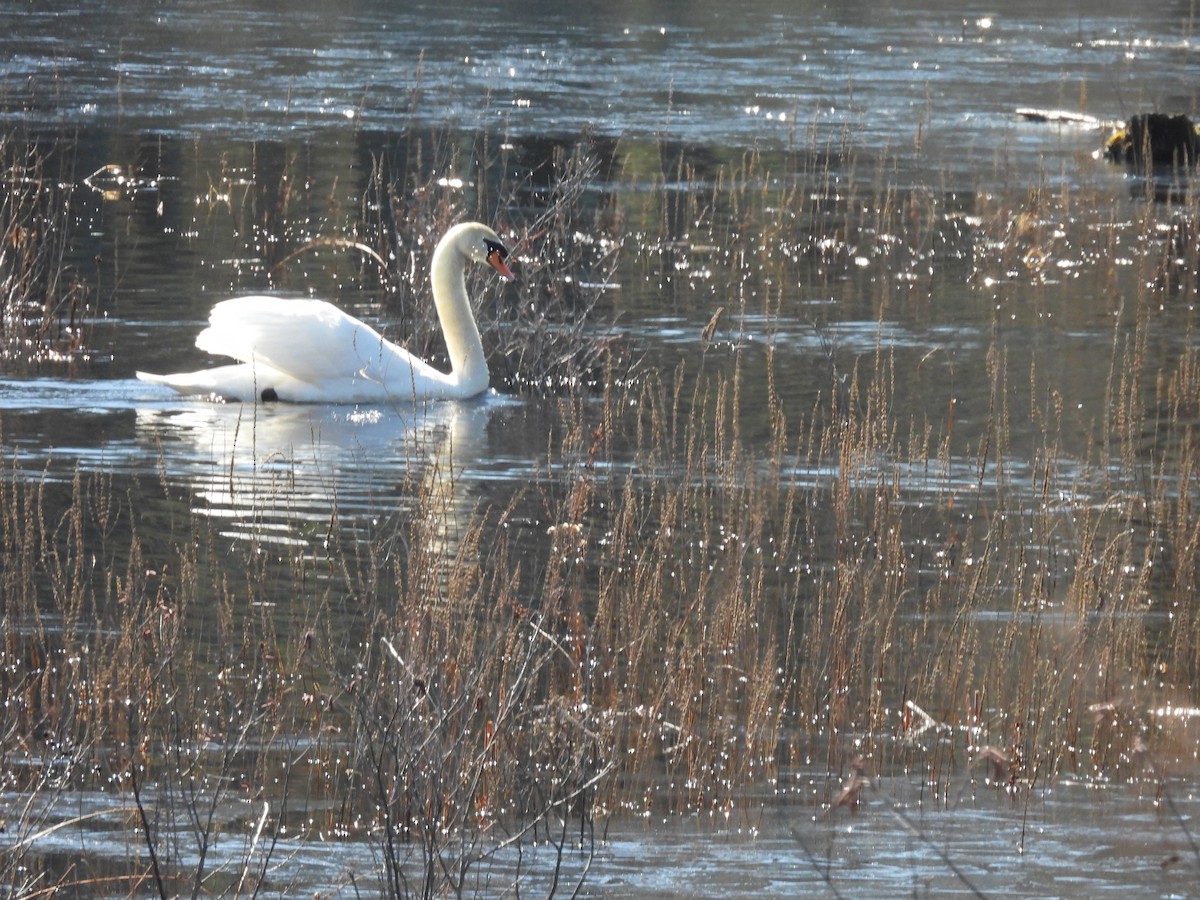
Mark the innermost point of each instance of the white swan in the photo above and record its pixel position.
(309, 351)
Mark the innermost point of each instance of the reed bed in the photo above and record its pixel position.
(46, 311)
(724, 593)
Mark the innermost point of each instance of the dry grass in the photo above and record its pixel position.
(45, 311)
(720, 589)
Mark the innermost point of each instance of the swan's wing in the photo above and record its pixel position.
(309, 340)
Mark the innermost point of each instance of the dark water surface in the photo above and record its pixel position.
(697, 71)
(204, 112)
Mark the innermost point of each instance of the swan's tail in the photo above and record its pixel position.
(184, 382)
(236, 382)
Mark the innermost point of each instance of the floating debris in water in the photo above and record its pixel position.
(113, 183)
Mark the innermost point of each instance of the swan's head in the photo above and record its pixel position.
(480, 244)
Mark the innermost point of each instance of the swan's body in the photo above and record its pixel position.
(309, 351)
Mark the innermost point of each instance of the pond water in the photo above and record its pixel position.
(201, 143)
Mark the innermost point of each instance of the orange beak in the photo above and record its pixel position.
(495, 259)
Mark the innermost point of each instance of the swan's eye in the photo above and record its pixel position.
(495, 250)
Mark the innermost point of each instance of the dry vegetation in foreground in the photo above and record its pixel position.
(713, 631)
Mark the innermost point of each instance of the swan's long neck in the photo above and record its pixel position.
(468, 366)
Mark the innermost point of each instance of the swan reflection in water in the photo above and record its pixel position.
(267, 468)
(288, 475)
